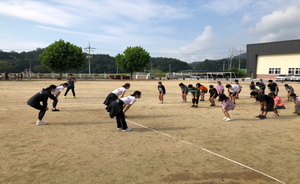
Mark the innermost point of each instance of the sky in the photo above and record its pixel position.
(188, 30)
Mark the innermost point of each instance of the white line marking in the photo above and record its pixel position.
(208, 151)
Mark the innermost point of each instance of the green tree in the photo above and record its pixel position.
(62, 56)
(133, 59)
(4, 66)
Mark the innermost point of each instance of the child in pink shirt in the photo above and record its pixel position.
(227, 105)
(278, 103)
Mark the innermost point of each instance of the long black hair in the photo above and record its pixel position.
(52, 86)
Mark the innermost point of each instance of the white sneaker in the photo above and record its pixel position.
(224, 118)
(41, 122)
(228, 119)
(160, 102)
(183, 101)
(127, 130)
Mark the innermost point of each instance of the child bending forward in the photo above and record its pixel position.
(227, 105)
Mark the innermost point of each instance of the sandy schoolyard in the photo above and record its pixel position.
(170, 142)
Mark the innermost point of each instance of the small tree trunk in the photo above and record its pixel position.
(60, 76)
(131, 76)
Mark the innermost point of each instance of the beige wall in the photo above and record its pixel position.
(283, 61)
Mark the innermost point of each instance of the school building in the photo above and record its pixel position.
(268, 60)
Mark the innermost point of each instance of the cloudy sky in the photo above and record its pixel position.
(189, 30)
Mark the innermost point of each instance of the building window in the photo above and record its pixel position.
(291, 70)
(275, 70)
(271, 70)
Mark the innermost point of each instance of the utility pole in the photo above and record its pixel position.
(232, 50)
(89, 49)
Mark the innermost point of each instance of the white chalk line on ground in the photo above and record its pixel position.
(208, 151)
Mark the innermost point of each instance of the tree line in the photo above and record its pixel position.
(14, 62)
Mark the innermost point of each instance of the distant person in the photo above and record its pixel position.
(203, 91)
(289, 90)
(42, 96)
(227, 105)
(262, 86)
(184, 91)
(118, 108)
(266, 104)
(220, 88)
(21, 76)
(6, 76)
(278, 103)
(0, 76)
(273, 87)
(296, 100)
(239, 88)
(161, 92)
(213, 93)
(71, 85)
(115, 94)
(56, 93)
(195, 95)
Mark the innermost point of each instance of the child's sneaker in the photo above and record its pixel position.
(41, 122)
(276, 115)
(224, 118)
(64, 96)
(74, 96)
(127, 130)
(228, 119)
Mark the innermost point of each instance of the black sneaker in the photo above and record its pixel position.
(259, 116)
(193, 106)
(212, 105)
(55, 109)
(196, 106)
(262, 117)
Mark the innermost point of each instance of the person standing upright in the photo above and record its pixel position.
(71, 85)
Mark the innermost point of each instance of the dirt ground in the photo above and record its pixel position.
(170, 142)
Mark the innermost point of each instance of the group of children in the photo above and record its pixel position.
(198, 94)
(117, 104)
(272, 102)
(52, 92)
